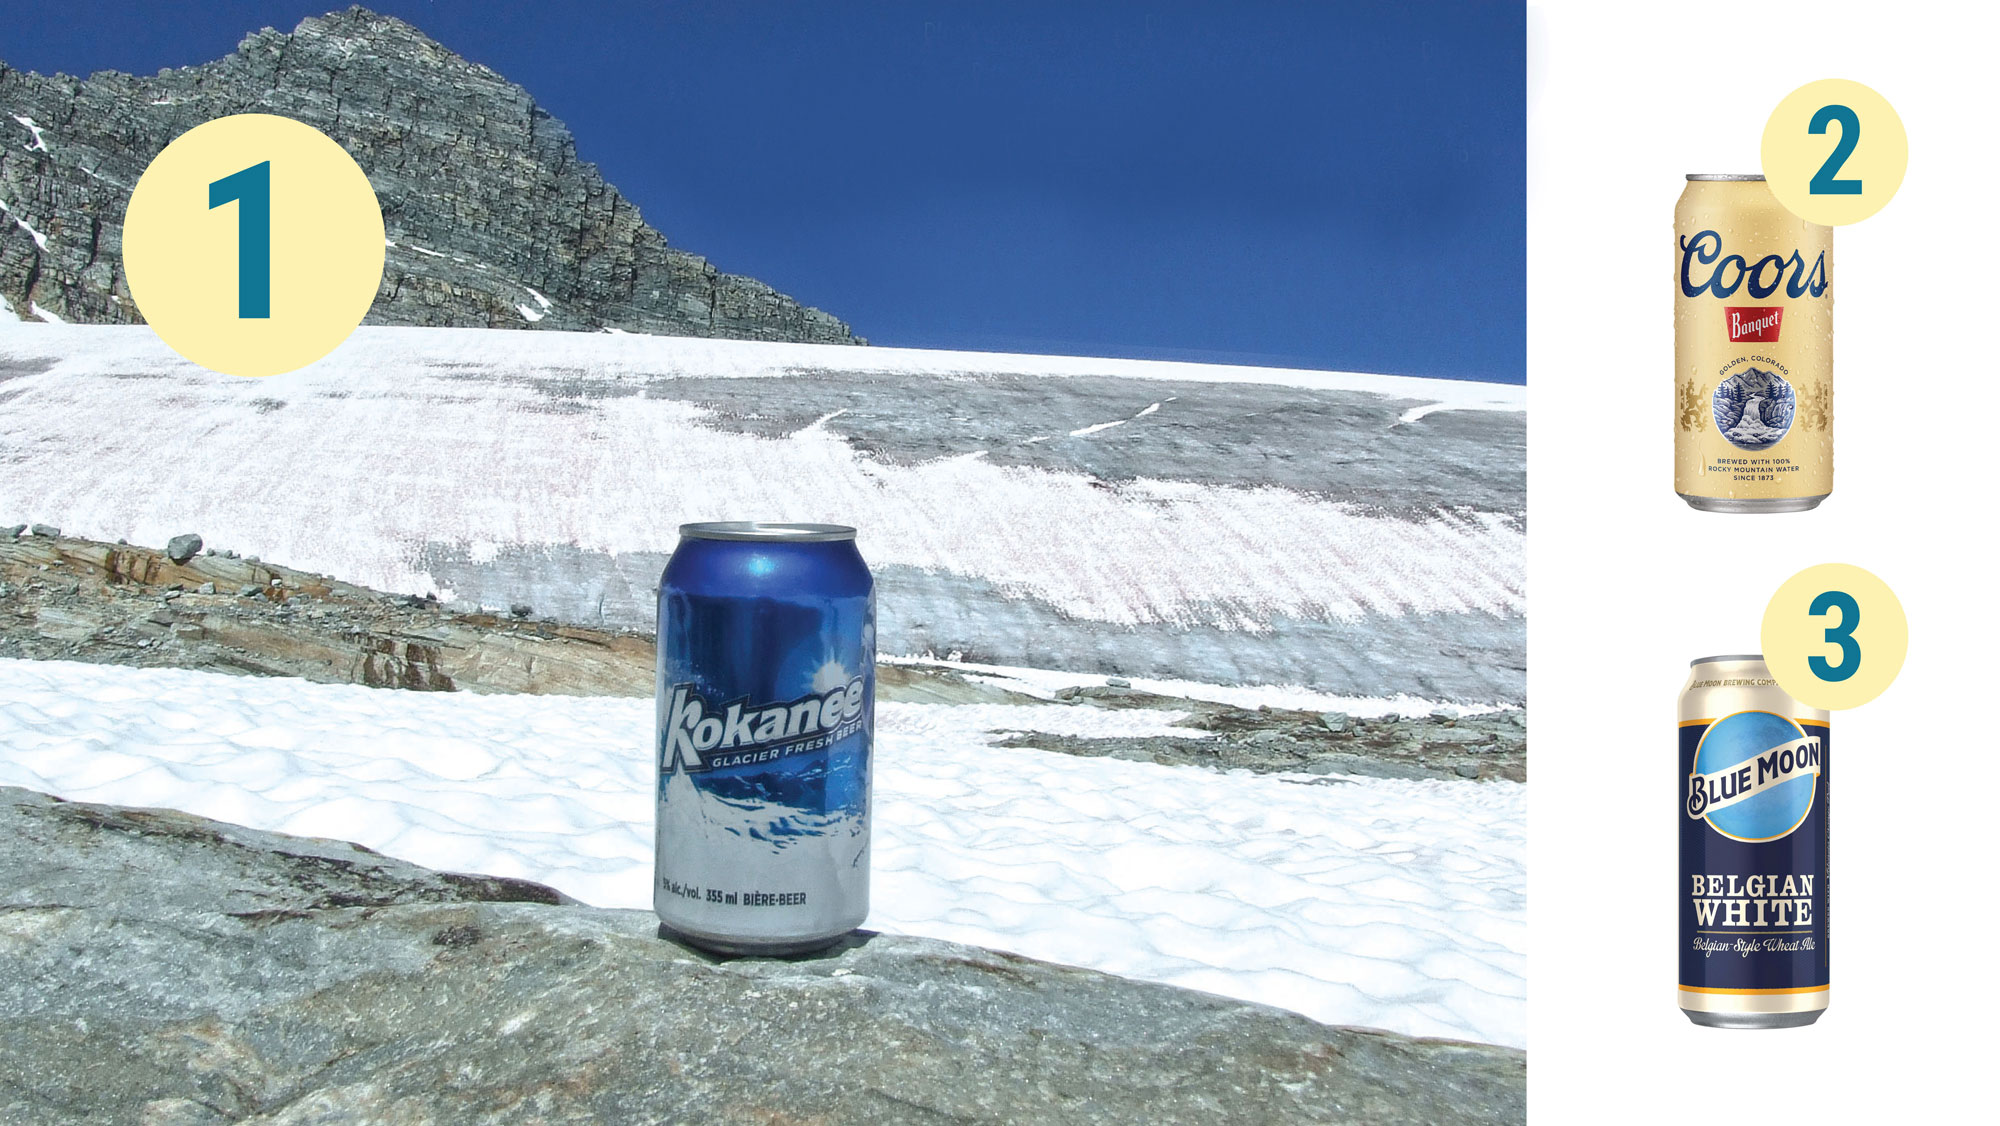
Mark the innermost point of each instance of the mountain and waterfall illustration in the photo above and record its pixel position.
(1753, 408)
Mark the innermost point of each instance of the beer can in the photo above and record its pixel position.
(765, 695)
(1752, 781)
(1753, 350)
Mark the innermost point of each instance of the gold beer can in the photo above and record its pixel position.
(1753, 350)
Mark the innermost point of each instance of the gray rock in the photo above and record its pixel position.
(49, 530)
(13, 531)
(1117, 682)
(1334, 722)
(1458, 735)
(1466, 770)
(520, 611)
(248, 589)
(161, 967)
(205, 588)
(180, 549)
(489, 211)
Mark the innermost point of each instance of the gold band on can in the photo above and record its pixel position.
(1753, 350)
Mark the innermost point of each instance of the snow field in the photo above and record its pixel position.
(451, 436)
(1398, 905)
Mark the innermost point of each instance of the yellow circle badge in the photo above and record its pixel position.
(1835, 636)
(253, 244)
(1834, 152)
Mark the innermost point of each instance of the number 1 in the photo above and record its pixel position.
(250, 191)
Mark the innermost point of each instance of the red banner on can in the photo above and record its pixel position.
(1754, 322)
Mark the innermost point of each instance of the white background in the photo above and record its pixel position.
(1628, 583)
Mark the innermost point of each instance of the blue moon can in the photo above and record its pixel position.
(765, 695)
(1753, 785)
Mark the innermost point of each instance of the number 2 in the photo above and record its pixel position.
(1823, 182)
(250, 191)
(1841, 635)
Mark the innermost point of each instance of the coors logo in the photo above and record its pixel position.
(1754, 323)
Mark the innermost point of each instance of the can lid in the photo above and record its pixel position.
(767, 533)
(1726, 657)
(1725, 175)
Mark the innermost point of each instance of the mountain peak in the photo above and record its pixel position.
(492, 218)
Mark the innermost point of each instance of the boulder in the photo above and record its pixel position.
(180, 549)
(159, 967)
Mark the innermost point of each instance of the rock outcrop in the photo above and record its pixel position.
(157, 967)
(65, 598)
(492, 219)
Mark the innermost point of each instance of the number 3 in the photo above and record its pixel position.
(1823, 182)
(1841, 635)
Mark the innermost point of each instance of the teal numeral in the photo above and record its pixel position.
(250, 191)
(1823, 182)
(1841, 635)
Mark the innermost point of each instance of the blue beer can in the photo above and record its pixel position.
(765, 696)
(1753, 783)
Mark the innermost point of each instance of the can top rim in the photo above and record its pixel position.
(766, 533)
(1726, 657)
(1725, 175)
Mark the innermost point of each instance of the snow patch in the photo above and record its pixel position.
(529, 315)
(544, 302)
(23, 224)
(1415, 413)
(29, 122)
(1392, 904)
(1089, 430)
(44, 315)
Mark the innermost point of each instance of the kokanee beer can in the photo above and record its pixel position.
(1752, 781)
(1753, 350)
(766, 704)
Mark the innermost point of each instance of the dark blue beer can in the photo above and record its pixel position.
(765, 695)
(1753, 783)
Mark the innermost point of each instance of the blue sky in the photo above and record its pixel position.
(1329, 185)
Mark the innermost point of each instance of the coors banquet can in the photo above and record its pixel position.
(766, 703)
(1753, 350)
(1752, 781)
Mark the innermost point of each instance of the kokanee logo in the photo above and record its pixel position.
(703, 737)
(1758, 323)
(1732, 273)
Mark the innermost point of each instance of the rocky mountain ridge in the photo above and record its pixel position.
(492, 219)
